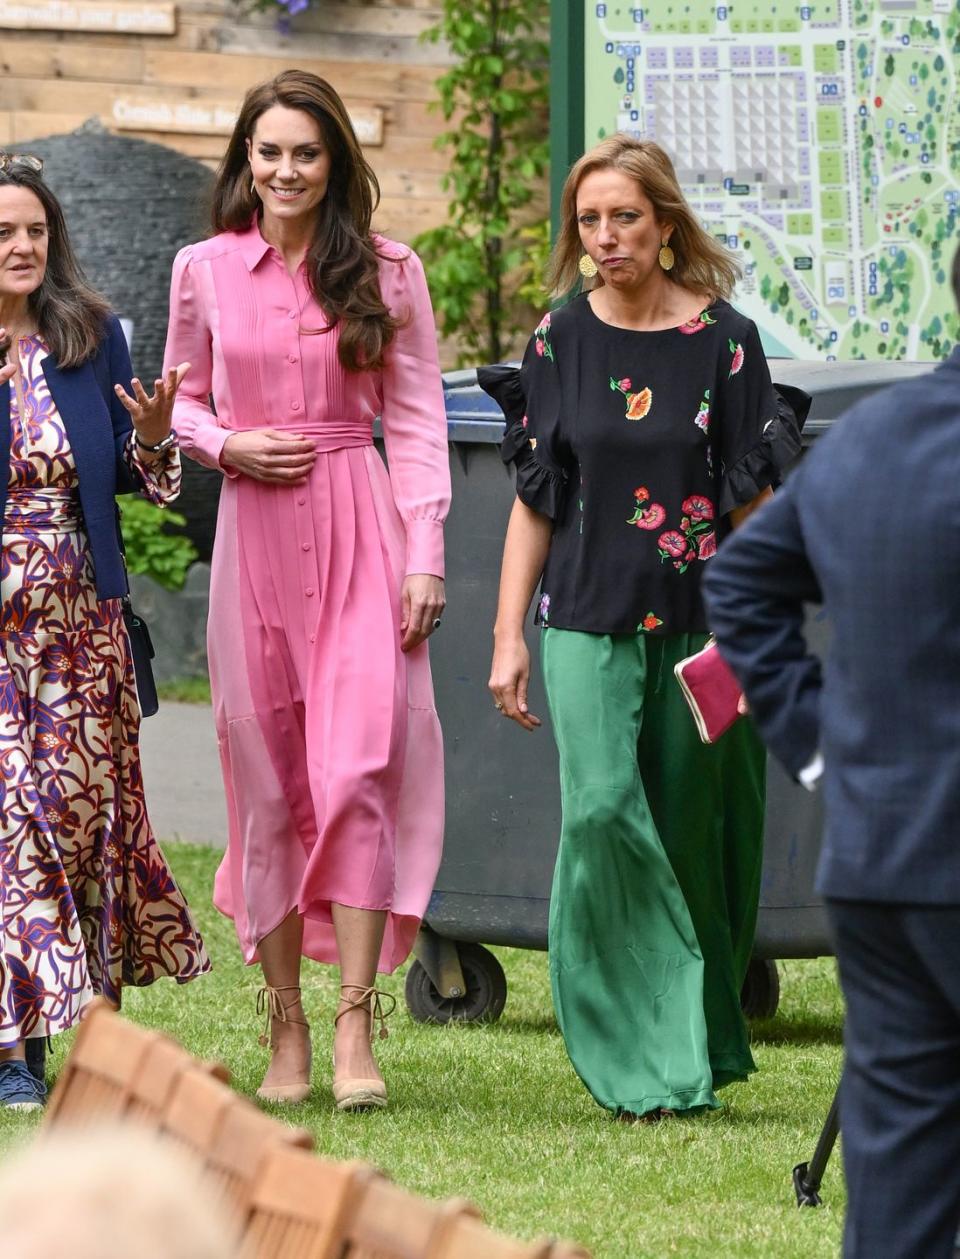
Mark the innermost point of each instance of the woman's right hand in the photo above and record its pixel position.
(509, 681)
(270, 455)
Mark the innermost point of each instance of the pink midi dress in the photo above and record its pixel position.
(329, 740)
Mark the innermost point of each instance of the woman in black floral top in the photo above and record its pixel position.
(643, 426)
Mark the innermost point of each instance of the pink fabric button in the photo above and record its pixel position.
(295, 406)
(306, 546)
(293, 358)
(308, 591)
(301, 501)
(292, 314)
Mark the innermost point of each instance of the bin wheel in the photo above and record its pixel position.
(484, 1000)
(760, 994)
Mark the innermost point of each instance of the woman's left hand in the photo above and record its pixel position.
(153, 416)
(422, 601)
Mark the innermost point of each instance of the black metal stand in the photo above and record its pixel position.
(807, 1176)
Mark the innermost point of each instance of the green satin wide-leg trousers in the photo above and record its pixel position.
(657, 882)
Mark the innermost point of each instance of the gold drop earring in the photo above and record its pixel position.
(665, 257)
(587, 267)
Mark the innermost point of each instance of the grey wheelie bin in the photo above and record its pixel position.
(503, 794)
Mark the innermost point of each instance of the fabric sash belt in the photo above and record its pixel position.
(332, 434)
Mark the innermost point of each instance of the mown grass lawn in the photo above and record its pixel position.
(495, 1113)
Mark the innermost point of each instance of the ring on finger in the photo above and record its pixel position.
(436, 623)
(499, 706)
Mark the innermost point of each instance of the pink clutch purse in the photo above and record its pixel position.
(711, 690)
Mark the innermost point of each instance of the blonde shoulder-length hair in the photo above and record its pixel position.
(701, 263)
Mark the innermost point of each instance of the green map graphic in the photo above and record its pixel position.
(820, 140)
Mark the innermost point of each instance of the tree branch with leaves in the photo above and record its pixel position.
(496, 95)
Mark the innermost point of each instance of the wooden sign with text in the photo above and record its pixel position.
(214, 117)
(124, 17)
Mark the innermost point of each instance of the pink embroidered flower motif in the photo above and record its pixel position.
(543, 610)
(696, 538)
(697, 324)
(671, 543)
(697, 507)
(649, 622)
(542, 338)
(646, 515)
(638, 404)
(737, 351)
(702, 418)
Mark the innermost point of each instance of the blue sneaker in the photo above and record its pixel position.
(19, 1089)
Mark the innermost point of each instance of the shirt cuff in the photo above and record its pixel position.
(425, 547)
(209, 440)
(811, 773)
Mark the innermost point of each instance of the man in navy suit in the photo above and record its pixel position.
(869, 525)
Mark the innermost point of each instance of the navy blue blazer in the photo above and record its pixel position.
(98, 428)
(869, 525)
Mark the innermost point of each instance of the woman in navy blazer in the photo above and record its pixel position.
(87, 903)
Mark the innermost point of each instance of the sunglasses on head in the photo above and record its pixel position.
(26, 161)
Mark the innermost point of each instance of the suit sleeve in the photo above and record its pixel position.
(755, 590)
(188, 340)
(120, 372)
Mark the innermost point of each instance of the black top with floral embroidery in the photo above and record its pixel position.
(636, 445)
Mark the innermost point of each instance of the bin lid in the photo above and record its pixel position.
(473, 416)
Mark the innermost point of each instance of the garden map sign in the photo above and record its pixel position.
(820, 141)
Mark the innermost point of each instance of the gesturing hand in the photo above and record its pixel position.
(271, 455)
(422, 601)
(153, 415)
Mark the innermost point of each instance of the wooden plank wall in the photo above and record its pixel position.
(52, 81)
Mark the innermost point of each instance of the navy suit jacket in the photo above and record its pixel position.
(869, 525)
(98, 428)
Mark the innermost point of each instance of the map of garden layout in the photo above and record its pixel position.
(821, 141)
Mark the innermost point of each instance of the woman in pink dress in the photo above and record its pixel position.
(327, 574)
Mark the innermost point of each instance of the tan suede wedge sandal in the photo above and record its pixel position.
(270, 1005)
(362, 1094)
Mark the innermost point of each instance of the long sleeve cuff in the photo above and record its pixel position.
(161, 477)
(208, 441)
(425, 547)
(811, 773)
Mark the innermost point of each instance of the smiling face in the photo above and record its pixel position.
(289, 161)
(619, 228)
(24, 241)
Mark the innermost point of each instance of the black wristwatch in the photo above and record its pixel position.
(163, 444)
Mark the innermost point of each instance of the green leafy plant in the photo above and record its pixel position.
(151, 549)
(495, 96)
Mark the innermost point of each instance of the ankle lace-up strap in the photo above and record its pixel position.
(371, 999)
(270, 1005)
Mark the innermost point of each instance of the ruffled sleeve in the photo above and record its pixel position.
(760, 424)
(413, 415)
(530, 398)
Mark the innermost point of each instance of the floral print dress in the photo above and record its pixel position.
(87, 902)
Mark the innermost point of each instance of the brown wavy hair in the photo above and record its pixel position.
(70, 314)
(342, 261)
(701, 263)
